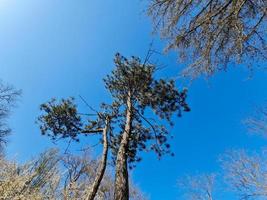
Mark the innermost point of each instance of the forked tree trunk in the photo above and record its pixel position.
(103, 163)
(121, 178)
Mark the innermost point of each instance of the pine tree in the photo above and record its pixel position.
(61, 120)
(135, 93)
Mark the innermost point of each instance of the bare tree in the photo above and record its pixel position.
(51, 176)
(81, 171)
(8, 96)
(246, 174)
(212, 34)
(38, 179)
(76, 170)
(198, 187)
(258, 123)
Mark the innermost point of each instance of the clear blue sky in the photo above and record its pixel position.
(61, 48)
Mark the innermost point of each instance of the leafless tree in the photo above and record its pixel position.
(246, 174)
(258, 123)
(198, 187)
(8, 96)
(81, 172)
(38, 179)
(212, 34)
(51, 176)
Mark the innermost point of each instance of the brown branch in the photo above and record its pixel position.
(92, 131)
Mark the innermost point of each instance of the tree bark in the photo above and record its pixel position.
(121, 178)
(103, 163)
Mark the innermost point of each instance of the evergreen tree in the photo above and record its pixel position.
(136, 96)
(136, 92)
(61, 120)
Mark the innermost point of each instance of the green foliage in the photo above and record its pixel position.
(130, 79)
(135, 80)
(60, 119)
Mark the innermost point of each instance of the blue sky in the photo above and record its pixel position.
(56, 48)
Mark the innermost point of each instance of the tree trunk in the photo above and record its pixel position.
(103, 163)
(121, 178)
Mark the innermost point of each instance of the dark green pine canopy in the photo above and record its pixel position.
(133, 78)
(153, 101)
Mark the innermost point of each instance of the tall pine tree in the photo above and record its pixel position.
(136, 96)
(136, 92)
